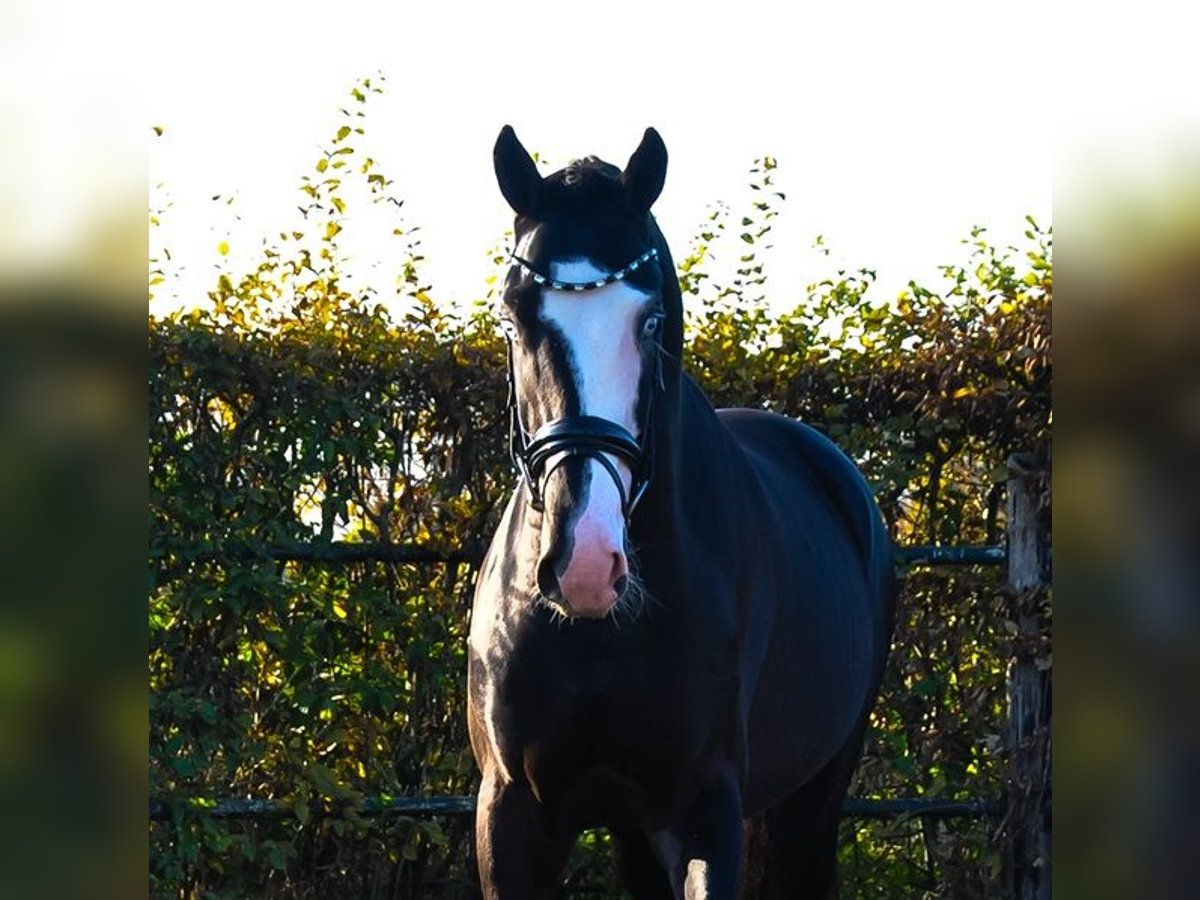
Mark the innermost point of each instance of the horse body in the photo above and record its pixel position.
(825, 604)
(740, 687)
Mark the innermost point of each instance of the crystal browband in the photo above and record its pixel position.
(557, 285)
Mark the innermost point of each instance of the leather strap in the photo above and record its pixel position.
(585, 433)
(587, 437)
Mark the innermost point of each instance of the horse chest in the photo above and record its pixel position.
(609, 757)
(597, 727)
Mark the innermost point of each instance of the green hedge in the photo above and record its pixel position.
(288, 409)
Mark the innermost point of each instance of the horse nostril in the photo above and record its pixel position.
(547, 580)
(620, 584)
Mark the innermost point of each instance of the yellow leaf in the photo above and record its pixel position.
(223, 248)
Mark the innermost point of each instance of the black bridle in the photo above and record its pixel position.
(583, 437)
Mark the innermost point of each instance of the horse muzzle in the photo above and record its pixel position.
(591, 583)
(583, 569)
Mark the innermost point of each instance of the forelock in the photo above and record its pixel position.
(583, 214)
(590, 167)
(586, 186)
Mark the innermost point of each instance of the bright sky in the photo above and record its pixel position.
(896, 126)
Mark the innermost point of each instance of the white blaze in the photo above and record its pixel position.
(600, 327)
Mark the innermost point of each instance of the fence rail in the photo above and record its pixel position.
(345, 552)
(853, 808)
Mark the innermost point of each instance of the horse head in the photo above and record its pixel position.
(585, 307)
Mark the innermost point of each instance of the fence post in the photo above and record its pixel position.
(1027, 829)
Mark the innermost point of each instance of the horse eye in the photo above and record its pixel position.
(651, 325)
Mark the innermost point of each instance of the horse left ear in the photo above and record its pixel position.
(645, 172)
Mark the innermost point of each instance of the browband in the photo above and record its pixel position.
(558, 285)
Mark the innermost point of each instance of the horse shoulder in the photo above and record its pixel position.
(780, 448)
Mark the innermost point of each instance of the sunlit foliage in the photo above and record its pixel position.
(289, 409)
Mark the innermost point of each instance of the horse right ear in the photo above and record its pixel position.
(517, 173)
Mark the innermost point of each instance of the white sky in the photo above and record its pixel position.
(896, 126)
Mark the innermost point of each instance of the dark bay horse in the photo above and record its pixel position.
(682, 620)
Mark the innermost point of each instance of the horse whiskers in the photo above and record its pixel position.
(635, 597)
(557, 616)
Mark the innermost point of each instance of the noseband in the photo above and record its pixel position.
(583, 437)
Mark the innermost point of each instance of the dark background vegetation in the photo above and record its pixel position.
(290, 408)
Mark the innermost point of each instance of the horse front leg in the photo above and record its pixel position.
(704, 852)
(518, 856)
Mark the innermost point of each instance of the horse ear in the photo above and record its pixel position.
(517, 173)
(645, 172)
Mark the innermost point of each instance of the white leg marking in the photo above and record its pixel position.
(695, 886)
